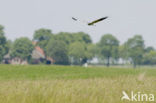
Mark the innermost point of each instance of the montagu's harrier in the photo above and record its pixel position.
(93, 22)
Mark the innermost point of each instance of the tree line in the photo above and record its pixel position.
(77, 48)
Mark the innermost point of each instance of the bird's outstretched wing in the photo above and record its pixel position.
(74, 18)
(98, 20)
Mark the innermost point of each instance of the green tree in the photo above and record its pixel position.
(148, 49)
(80, 52)
(3, 44)
(149, 58)
(22, 48)
(69, 38)
(91, 51)
(123, 53)
(135, 49)
(82, 37)
(10, 44)
(64, 36)
(57, 50)
(42, 36)
(1, 30)
(108, 48)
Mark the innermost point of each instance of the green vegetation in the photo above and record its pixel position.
(42, 36)
(66, 48)
(78, 53)
(67, 84)
(57, 50)
(37, 72)
(135, 49)
(3, 44)
(108, 48)
(22, 48)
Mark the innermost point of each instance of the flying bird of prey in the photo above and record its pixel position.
(93, 22)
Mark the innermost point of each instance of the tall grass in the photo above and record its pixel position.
(73, 91)
(64, 84)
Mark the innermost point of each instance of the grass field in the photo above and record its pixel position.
(67, 84)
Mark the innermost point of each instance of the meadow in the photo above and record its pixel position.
(73, 84)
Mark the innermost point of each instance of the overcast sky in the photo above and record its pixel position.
(126, 17)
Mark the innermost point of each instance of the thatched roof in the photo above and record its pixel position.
(38, 53)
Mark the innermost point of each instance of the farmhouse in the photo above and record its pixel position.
(38, 56)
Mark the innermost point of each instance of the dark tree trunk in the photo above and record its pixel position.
(108, 61)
